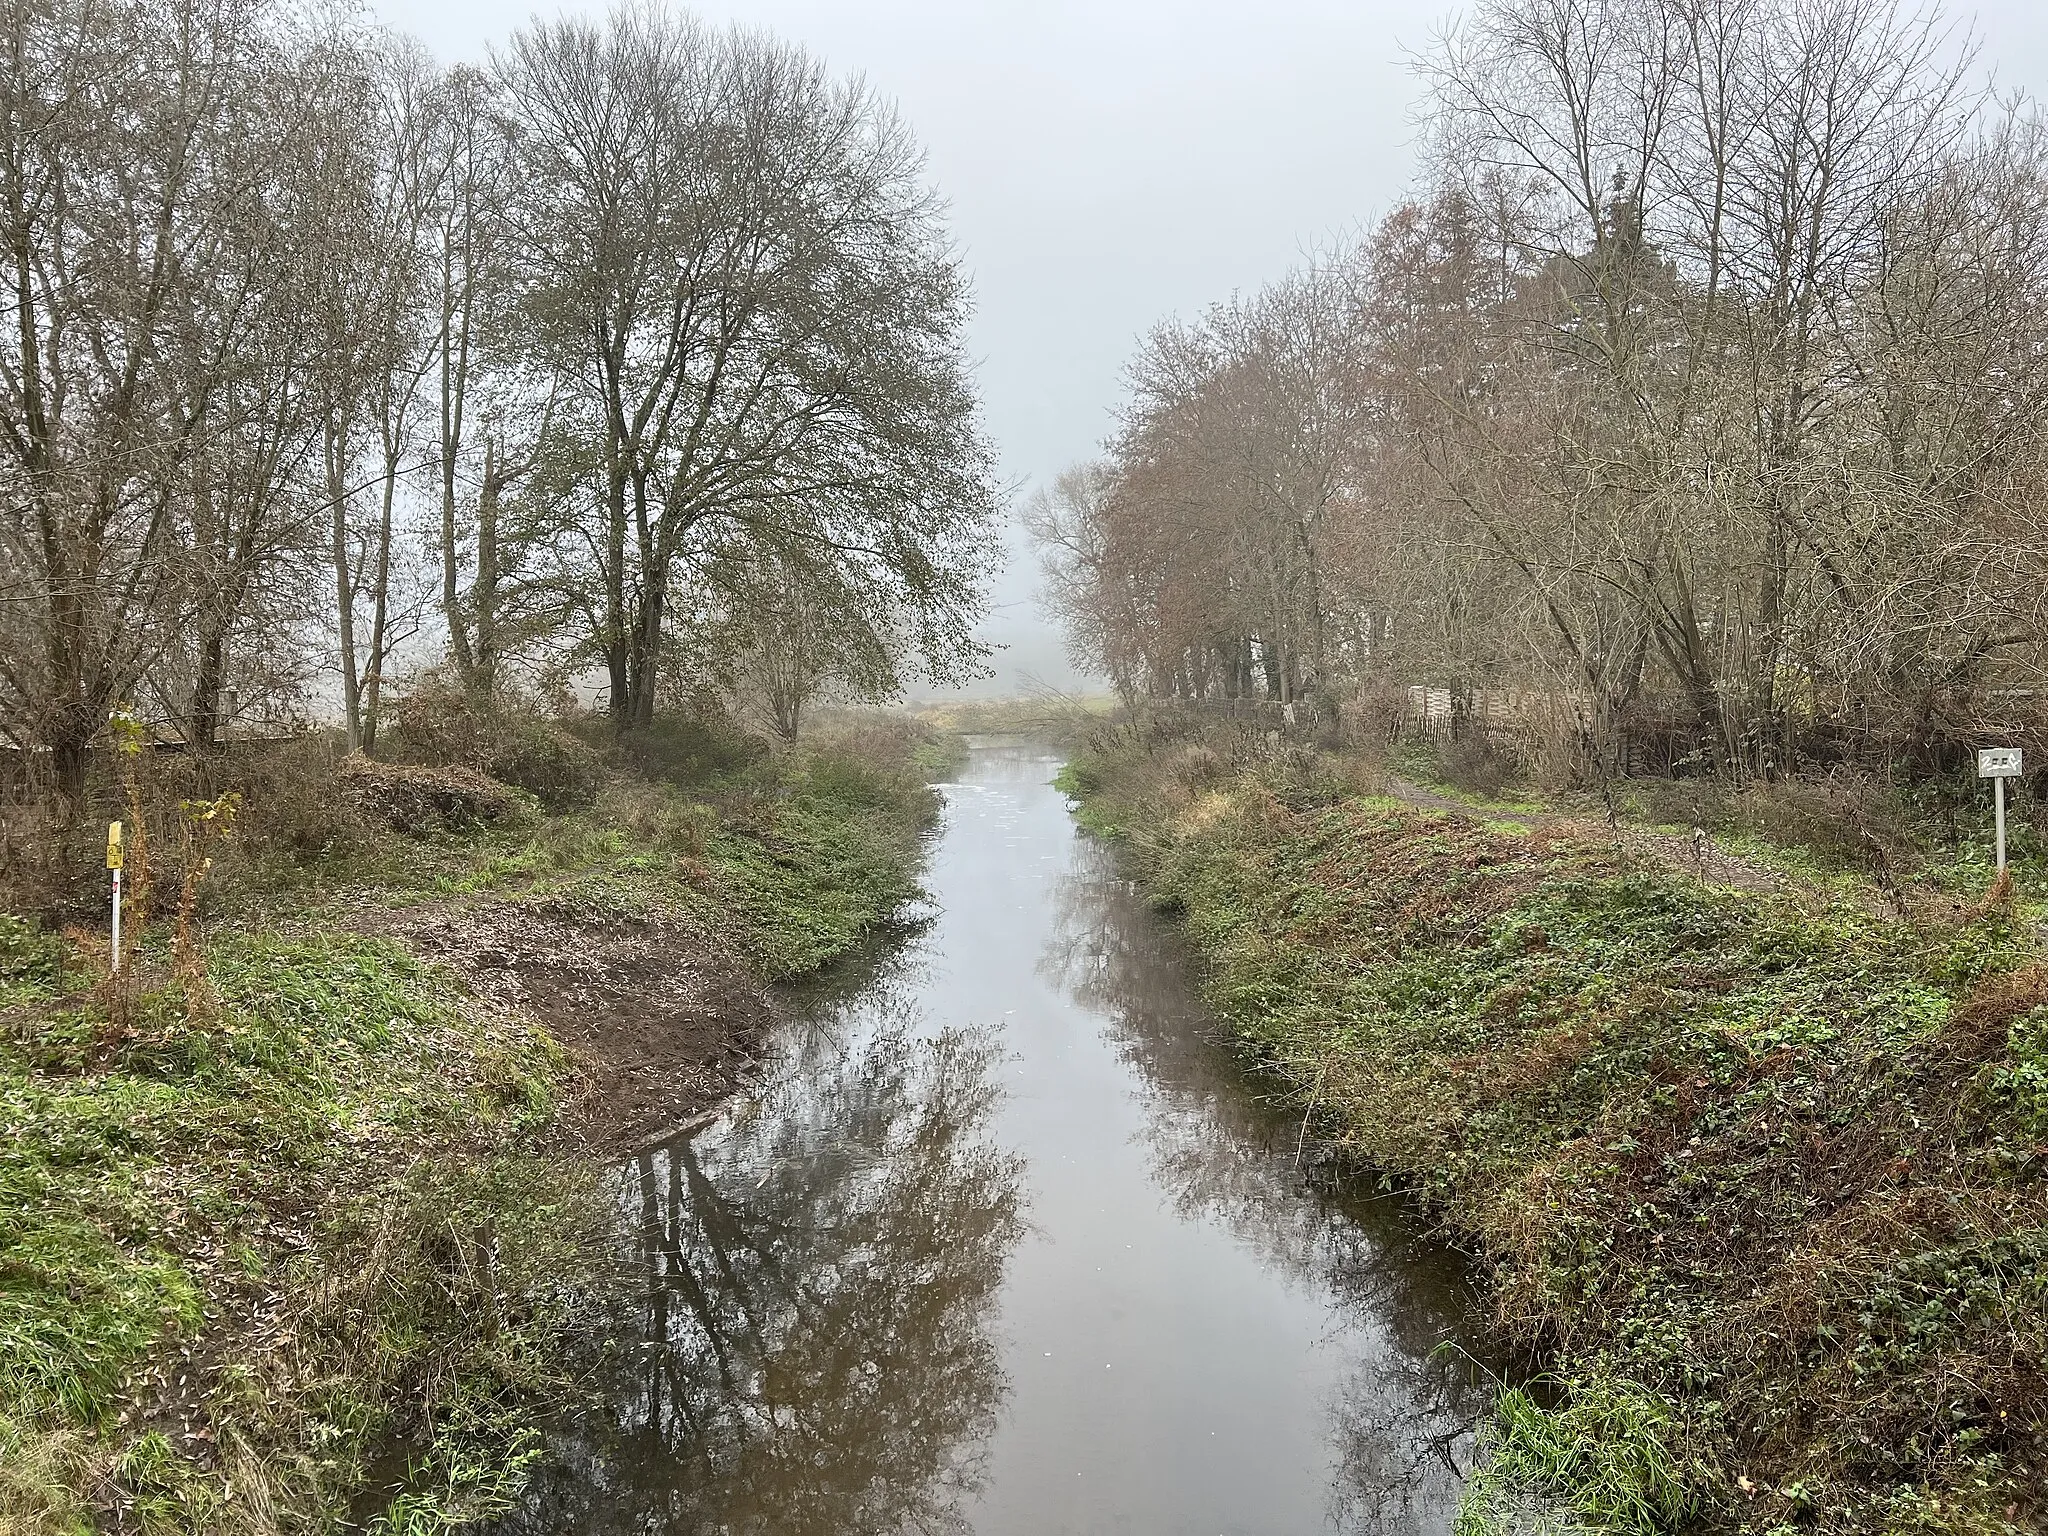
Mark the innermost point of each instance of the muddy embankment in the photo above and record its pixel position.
(660, 1021)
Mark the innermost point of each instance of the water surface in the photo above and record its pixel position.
(1006, 1244)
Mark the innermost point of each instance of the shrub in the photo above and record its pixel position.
(1194, 766)
(1845, 818)
(692, 748)
(656, 816)
(1473, 764)
(439, 726)
(295, 802)
(30, 959)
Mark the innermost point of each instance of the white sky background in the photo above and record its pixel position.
(1113, 163)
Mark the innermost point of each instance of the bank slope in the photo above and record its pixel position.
(1757, 1174)
(303, 1234)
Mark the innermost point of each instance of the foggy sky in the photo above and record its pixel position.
(1111, 164)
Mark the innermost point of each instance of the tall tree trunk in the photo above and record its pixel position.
(617, 638)
(344, 591)
(484, 597)
(380, 605)
(454, 400)
(451, 586)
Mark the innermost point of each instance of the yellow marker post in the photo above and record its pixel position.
(114, 863)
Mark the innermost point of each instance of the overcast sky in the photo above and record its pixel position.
(1114, 162)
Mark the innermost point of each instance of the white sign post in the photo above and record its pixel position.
(1999, 764)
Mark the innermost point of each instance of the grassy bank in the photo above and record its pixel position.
(1754, 1162)
(293, 1229)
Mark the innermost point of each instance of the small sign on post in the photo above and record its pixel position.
(114, 863)
(1999, 764)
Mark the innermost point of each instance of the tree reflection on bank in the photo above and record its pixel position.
(1222, 1149)
(812, 1353)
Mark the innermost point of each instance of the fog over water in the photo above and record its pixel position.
(1114, 162)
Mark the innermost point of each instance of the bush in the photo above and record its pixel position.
(46, 855)
(692, 748)
(296, 802)
(1195, 766)
(655, 816)
(1472, 763)
(1844, 818)
(439, 726)
(872, 756)
(29, 958)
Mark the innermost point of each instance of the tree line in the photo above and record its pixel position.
(1694, 398)
(634, 355)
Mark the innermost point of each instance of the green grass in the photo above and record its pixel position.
(1764, 1172)
(833, 859)
(172, 1175)
(1602, 1460)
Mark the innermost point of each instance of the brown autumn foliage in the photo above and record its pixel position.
(1688, 413)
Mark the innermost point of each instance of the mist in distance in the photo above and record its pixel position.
(1111, 164)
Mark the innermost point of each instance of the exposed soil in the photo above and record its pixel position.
(663, 1029)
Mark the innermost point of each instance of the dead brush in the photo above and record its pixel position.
(1998, 897)
(1980, 1022)
(419, 801)
(1356, 773)
(1905, 1329)
(1540, 1060)
(1195, 767)
(1421, 884)
(656, 816)
(37, 1468)
(296, 807)
(205, 823)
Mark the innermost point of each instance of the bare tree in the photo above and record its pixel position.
(495, 410)
(739, 280)
(1689, 397)
(646, 325)
(376, 195)
(137, 141)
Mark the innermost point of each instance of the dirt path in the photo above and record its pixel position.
(1695, 854)
(662, 1029)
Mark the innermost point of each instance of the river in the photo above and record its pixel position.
(1006, 1244)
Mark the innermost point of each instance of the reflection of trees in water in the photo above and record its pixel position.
(1223, 1149)
(812, 1355)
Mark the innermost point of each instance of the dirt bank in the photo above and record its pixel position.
(661, 1027)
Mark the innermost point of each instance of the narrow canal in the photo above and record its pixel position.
(1007, 1245)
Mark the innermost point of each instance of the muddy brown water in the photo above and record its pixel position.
(1007, 1244)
